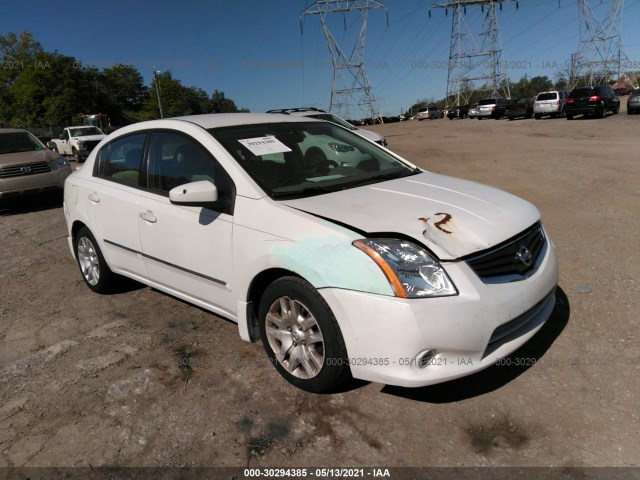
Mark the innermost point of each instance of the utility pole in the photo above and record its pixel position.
(600, 54)
(157, 82)
(474, 58)
(350, 84)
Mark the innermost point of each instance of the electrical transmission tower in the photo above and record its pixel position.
(350, 82)
(600, 55)
(475, 62)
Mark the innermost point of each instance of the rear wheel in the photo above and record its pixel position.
(301, 336)
(616, 110)
(95, 271)
(603, 113)
(537, 116)
(569, 116)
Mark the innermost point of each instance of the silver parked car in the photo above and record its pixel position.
(550, 103)
(633, 102)
(27, 166)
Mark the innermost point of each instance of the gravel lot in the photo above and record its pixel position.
(138, 378)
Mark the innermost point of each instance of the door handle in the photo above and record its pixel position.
(94, 197)
(148, 216)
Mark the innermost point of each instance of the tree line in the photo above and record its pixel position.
(43, 89)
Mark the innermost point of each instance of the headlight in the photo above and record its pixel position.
(411, 271)
(341, 148)
(58, 163)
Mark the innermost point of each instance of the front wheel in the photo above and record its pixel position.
(76, 155)
(301, 336)
(95, 271)
(569, 116)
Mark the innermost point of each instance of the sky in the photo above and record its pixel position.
(263, 55)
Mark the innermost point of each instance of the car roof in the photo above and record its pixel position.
(215, 120)
(12, 130)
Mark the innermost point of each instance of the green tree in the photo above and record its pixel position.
(220, 104)
(123, 93)
(540, 84)
(52, 91)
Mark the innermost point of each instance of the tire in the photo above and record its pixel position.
(603, 114)
(569, 116)
(296, 322)
(95, 271)
(616, 110)
(537, 116)
(76, 155)
(511, 117)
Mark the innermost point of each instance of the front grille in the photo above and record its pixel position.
(24, 169)
(90, 145)
(513, 260)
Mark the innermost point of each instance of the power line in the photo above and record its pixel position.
(600, 55)
(350, 83)
(474, 58)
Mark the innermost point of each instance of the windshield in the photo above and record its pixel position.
(85, 131)
(15, 142)
(487, 101)
(297, 159)
(548, 96)
(582, 92)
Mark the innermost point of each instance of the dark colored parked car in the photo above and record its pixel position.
(520, 107)
(633, 102)
(594, 100)
(501, 108)
(459, 111)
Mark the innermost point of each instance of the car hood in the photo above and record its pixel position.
(451, 217)
(369, 135)
(89, 138)
(27, 157)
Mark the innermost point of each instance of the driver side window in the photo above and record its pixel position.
(176, 159)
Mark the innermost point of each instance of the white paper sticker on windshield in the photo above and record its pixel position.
(264, 145)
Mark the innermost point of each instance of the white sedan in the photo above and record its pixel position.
(377, 270)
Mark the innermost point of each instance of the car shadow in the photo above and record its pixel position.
(125, 285)
(31, 203)
(496, 376)
(588, 117)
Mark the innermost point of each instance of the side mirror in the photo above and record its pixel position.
(195, 193)
(61, 137)
(51, 146)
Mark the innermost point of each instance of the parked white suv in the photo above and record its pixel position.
(330, 117)
(380, 270)
(550, 103)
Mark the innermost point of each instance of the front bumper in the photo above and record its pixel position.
(469, 332)
(34, 184)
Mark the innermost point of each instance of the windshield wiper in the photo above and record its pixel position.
(314, 189)
(384, 176)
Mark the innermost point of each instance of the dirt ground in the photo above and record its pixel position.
(138, 378)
